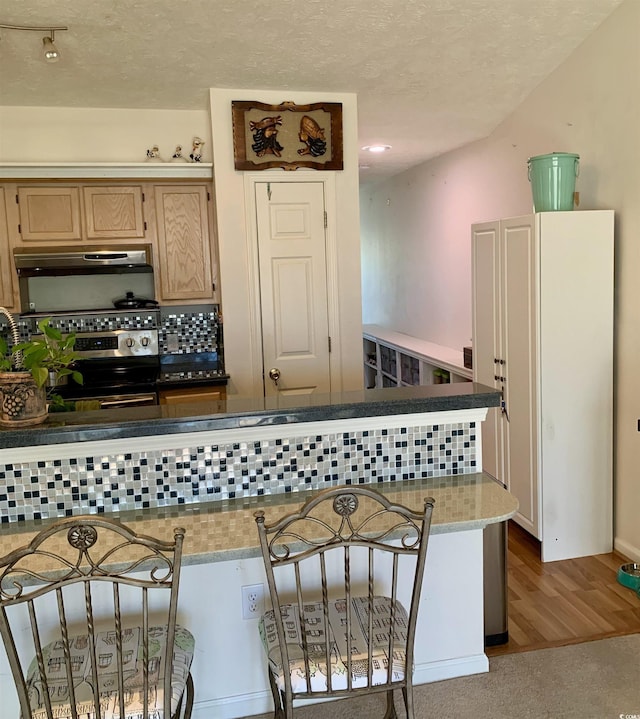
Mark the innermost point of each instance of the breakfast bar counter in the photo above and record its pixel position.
(208, 467)
(162, 456)
(223, 531)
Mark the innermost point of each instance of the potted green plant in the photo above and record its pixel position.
(30, 372)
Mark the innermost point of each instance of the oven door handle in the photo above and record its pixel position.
(138, 399)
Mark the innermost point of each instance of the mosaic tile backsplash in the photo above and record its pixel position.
(161, 478)
(181, 330)
(188, 332)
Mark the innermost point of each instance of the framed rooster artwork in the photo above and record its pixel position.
(287, 136)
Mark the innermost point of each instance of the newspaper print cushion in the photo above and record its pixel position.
(132, 652)
(316, 643)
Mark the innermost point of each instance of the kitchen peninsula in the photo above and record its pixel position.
(207, 467)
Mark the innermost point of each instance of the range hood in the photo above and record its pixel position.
(51, 262)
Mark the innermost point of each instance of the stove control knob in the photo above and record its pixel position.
(130, 342)
(144, 341)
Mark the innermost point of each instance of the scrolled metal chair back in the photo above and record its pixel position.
(97, 568)
(370, 535)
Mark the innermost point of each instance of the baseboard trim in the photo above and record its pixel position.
(627, 549)
(246, 705)
(450, 668)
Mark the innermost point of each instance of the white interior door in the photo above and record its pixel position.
(293, 287)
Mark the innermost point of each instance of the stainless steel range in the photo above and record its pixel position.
(120, 368)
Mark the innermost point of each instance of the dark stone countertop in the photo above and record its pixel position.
(246, 413)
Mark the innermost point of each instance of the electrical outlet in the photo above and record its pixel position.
(172, 342)
(252, 601)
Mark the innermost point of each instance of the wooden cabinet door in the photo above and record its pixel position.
(50, 213)
(184, 242)
(113, 212)
(185, 395)
(6, 281)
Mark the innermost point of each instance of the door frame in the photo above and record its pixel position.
(251, 179)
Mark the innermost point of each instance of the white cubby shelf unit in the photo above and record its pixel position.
(394, 359)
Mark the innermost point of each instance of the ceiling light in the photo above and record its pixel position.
(51, 52)
(376, 148)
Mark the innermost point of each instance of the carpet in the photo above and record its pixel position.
(591, 680)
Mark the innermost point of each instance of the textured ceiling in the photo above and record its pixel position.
(430, 75)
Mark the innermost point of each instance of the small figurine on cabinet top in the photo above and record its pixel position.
(153, 154)
(196, 152)
(178, 156)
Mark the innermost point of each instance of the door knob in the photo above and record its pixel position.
(274, 374)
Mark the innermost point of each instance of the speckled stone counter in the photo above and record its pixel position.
(221, 531)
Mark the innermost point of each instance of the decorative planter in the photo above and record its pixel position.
(22, 402)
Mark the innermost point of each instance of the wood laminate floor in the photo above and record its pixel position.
(556, 603)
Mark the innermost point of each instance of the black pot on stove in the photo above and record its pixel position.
(131, 302)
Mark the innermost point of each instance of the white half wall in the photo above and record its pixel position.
(416, 227)
(229, 668)
(229, 665)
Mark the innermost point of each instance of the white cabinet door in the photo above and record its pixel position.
(504, 355)
(486, 336)
(519, 317)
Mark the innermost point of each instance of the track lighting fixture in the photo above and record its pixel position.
(51, 52)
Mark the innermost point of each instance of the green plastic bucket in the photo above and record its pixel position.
(553, 180)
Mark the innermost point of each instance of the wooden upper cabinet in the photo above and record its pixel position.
(49, 213)
(6, 275)
(184, 242)
(113, 212)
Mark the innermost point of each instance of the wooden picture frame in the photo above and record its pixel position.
(268, 136)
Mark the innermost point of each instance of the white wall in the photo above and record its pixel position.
(242, 353)
(416, 236)
(89, 134)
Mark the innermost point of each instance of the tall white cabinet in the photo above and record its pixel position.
(543, 335)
